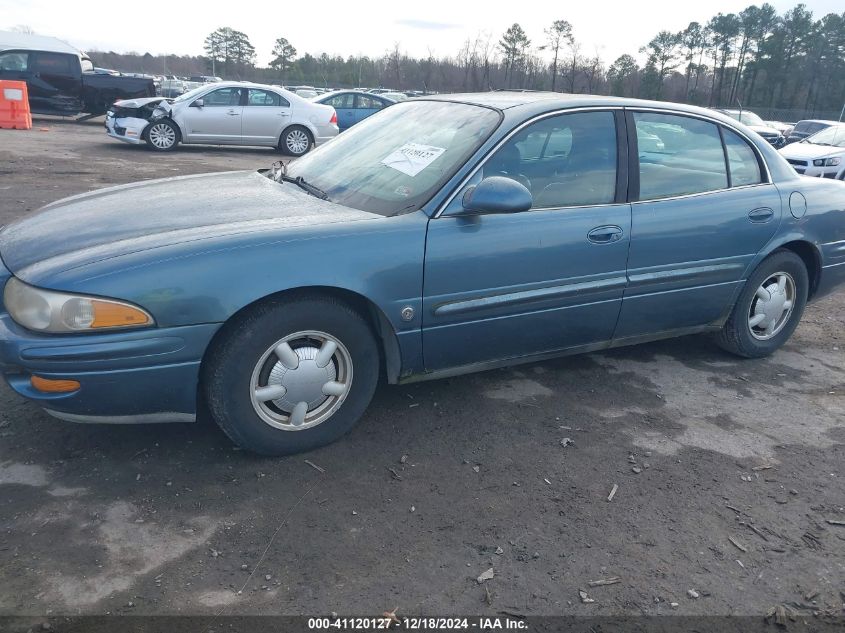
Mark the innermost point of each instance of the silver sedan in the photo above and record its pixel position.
(225, 113)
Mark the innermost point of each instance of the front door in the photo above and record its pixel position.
(503, 286)
(217, 120)
(704, 211)
(265, 115)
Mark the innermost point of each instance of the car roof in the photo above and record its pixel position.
(9, 40)
(828, 121)
(543, 101)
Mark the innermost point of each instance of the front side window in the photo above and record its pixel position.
(222, 98)
(396, 161)
(14, 62)
(564, 161)
(678, 156)
(745, 169)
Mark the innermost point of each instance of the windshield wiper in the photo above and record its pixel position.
(280, 174)
(314, 190)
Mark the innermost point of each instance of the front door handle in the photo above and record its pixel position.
(605, 234)
(760, 215)
(231, 113)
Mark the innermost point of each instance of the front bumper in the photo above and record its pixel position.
(135, 376)
(128, 130)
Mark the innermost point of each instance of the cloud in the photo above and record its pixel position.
(426, 24)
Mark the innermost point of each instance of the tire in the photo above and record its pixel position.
(738, 335)
(295, 141)
(246, 359)
(158, 133)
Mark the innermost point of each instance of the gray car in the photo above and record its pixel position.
(225, 113)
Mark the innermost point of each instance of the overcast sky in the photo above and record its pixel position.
(368, 27)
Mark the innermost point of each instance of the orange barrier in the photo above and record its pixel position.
(14, 106)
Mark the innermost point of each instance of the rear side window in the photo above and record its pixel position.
(265, 98)
(745, 169)
(369, 103)
(345, 101)
(55, 63)
(678, 156)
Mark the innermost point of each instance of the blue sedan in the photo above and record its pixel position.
(441, 236)
(353, 106)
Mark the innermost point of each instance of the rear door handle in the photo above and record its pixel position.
(605, 234)
(761, 215)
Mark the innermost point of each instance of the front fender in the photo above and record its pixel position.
(209, 280)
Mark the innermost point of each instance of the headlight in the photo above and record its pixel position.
(826, 162)
(50, 311)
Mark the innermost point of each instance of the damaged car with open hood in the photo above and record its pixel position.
(224, 113)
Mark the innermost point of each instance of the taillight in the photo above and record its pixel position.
(334, 118)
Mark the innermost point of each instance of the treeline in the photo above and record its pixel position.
(756, 57)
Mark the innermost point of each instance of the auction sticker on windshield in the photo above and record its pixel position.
(412, 158)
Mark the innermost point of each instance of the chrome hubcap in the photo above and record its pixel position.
(297, 141)
(162, 136)
(771, 306)
(301, 380)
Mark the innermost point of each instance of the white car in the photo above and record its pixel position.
(821, 155)
(225, 113)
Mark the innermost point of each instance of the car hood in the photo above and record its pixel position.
(140, 103)
(129, 218)
(810, 150)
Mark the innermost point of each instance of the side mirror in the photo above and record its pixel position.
(198, 103)
(497, 194)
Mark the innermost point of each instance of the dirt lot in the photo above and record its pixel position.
(728, 472)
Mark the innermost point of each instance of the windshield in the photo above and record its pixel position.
(394, 161)
(190, 94)
(834, 135)
(749, 118)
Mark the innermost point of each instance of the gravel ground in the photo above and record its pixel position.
(729, 473)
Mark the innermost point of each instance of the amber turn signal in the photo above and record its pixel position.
(53, 386)
(111, 314)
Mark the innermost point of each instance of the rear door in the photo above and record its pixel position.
(512, 285)
(217, 120)
(344, 105)
(703, 208)
(265, 115)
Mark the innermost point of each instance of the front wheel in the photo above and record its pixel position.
(291, 375)
(769, 308)
(162, 136)
(295, 141)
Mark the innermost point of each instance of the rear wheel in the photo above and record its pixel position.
(292, 375)
(769, 308)
(162, 136)
(295, 141)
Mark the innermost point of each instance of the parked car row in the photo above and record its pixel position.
(821, 155)
(772, 134)
(225, 113)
